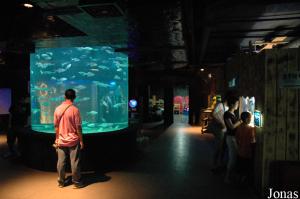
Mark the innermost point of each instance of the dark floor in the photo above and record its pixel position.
(175, 164)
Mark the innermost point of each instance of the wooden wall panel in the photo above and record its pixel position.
(298, 63)
(259, 93)
(269, 149)
(282, 65)
(292, 111)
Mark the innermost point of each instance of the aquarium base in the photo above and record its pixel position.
(102, 150)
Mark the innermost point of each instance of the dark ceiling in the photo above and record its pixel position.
(164, 35)
(230, 28)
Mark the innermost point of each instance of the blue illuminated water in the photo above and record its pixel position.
(98, 74)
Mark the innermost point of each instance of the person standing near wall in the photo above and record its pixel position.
(231, 122)
(68, 142)
(218, 128)
(18, 119)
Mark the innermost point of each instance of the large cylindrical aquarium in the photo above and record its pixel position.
(98, 74)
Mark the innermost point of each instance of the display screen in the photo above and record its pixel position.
(99, 75)
(257, 118)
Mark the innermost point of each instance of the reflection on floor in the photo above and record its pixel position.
(181, 118)
(174, 165)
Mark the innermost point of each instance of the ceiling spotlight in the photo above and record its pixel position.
(28, 5)
(202, 69)
(209, 75)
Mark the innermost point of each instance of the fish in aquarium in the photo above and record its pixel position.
(87, 74)
(47, 72)
(101, 84)
(80, 87)
(92, 64)
(92, 113)
(47, 56)
(62, 79)
(84, 122)
(65, 63)
(60, 70)
(84, 48)
(82, 99)
(117, 77)
(94, 59)
(94, 69)
(75, 59)
(91, 125)
(68, 66)
(121, 58)
(44, 65)
(103, 67)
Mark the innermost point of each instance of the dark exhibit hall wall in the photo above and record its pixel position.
(14, 74)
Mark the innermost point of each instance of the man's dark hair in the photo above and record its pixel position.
(70, 94)
(245, 116)
(232, 100)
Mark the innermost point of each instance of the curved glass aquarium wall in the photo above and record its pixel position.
(98, 74)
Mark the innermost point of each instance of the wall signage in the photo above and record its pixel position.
(290, 79)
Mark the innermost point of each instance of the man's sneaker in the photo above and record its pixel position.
(61, 184)
(78, 185)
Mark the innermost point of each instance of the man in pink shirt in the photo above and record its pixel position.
(68, 130)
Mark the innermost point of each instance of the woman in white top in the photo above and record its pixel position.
(219, 129)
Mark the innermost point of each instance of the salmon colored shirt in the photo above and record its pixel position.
(68, 135)
(245, 136)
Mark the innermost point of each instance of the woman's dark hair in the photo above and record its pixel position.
(229, 94)
(70, 94)
(232, 100)
(245, 116)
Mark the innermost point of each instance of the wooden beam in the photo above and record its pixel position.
(292, 111)
(282, 64)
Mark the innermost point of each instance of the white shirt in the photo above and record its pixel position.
(218, 113)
